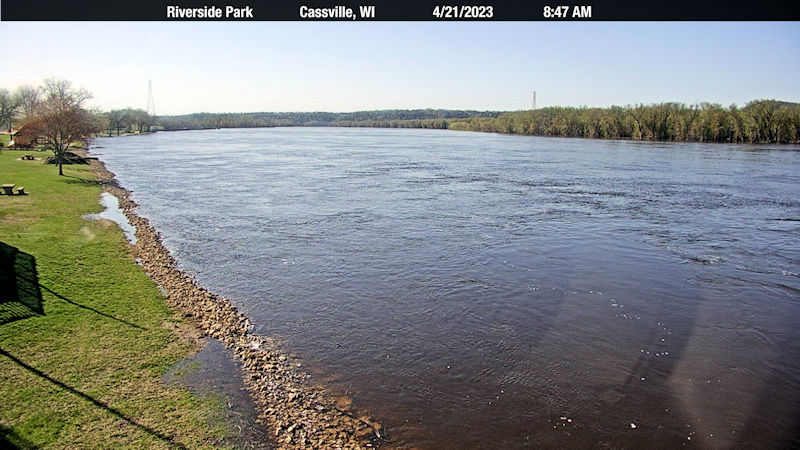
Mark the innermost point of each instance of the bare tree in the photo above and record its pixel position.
(8, 108)
(28, 98)
(64, 118)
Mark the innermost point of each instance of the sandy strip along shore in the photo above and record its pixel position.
(297, 413)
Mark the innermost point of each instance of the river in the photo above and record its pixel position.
(490, 291)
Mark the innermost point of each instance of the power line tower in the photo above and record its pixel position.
(151, 105)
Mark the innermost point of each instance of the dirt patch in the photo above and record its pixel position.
(186, 332)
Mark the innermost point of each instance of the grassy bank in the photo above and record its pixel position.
(85, 335)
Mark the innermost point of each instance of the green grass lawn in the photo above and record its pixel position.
(85, 335)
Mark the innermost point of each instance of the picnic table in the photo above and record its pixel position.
(28, 157)
(8, 188)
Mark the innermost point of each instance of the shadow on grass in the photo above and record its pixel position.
(92, 400)
(21, 292)
(20, 296)
(10, 439)
(78, 180)
(59, 296)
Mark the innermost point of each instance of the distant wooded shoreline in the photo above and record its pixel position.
(759, 121)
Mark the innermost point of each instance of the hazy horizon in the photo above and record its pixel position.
(345, 67)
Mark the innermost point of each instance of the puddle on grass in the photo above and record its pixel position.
(114, 214)
(211, 371)
(214, 371)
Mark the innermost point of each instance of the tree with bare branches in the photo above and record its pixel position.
(8, 108)
(64, 119)
(27, 98)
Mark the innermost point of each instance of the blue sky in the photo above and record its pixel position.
(348, 66)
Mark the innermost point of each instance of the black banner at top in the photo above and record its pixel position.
(412, 10)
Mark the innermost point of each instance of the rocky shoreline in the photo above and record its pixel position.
(297, 413)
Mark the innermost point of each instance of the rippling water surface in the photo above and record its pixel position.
(489, 291)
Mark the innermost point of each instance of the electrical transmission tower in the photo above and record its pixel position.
(151, 104)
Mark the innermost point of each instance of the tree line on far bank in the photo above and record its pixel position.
(414, 118)
(759, 121)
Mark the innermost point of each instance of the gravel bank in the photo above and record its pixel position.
(298, 413)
